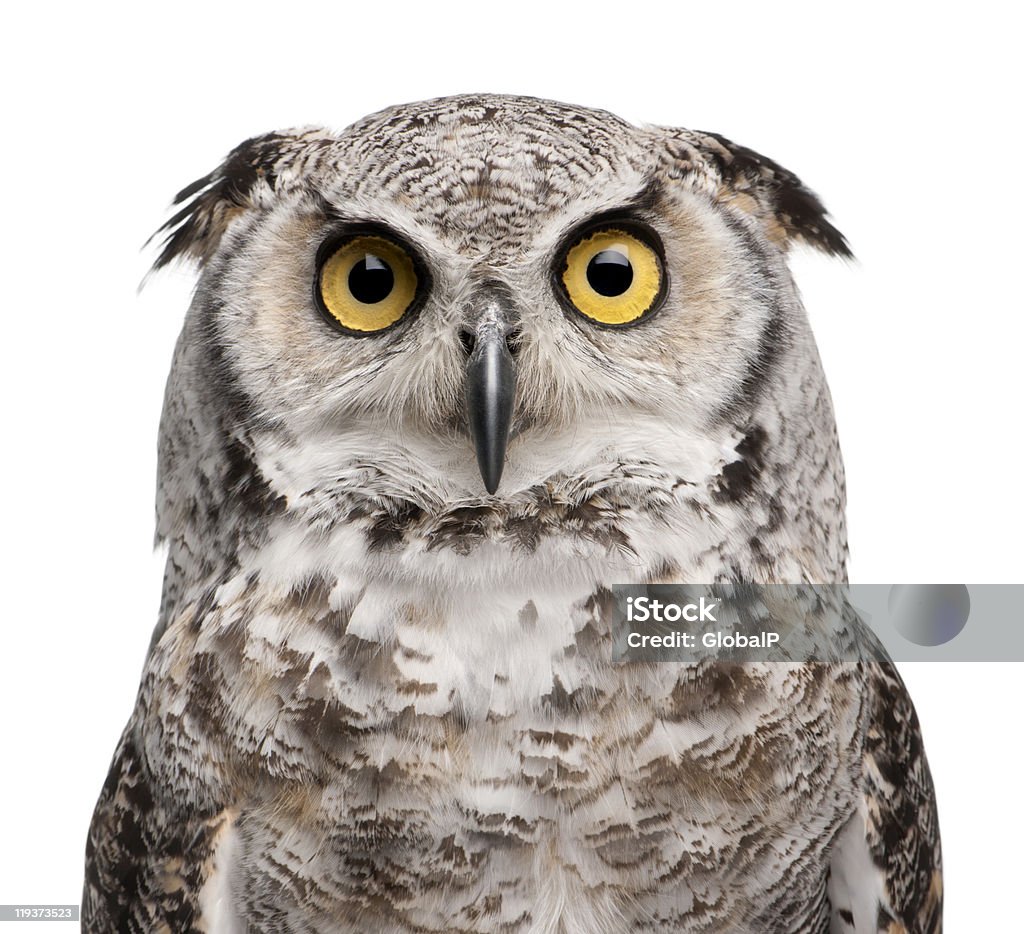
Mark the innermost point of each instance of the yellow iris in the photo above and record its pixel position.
(612, 277)
(368, 283)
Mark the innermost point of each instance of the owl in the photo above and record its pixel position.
(448, 377)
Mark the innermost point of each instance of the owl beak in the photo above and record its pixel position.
(490, 396)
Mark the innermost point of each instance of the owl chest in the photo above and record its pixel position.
(548, 819)
(407, 779)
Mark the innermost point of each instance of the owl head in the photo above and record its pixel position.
(488, 307)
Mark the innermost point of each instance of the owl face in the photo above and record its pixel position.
(467, 300)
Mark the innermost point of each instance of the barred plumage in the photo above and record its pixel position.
(380, 698)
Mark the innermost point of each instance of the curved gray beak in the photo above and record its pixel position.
(490, 397)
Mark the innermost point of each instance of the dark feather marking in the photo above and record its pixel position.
(220, 377)
(739, 479)
(144, 867)
(797, 208)
(563, 703)
(211, 201)
(904, 831)
(246, 485)
(524, 532)
(312, 595)
(388, 530)
(774, 336)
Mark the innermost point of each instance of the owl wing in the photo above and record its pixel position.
(144, 867)
(886, 870)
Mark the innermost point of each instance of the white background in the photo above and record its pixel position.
(906, 121)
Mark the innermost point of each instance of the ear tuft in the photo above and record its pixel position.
(794, 207)
(210, 203)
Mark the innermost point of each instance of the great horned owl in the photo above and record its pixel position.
(448, 376)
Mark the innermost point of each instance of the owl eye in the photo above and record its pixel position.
(613, 277)
(366, 284)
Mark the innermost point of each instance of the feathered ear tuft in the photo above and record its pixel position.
(790, 210)
(257, 168)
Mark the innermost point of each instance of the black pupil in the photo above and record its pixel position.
(609, 273)
(371, 280)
